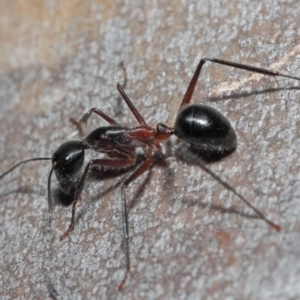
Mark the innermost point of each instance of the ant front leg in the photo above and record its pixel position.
(83, 120)
(110, 163)
(190, 90)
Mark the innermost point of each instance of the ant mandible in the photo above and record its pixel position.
(205, 130)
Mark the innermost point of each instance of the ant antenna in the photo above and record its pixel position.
(22, 163)
(49, 178)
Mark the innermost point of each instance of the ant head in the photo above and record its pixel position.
(67, 161)
(68, 158)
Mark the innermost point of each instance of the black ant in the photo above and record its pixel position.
(205, 131)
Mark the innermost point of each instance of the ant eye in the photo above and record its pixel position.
(72, 157)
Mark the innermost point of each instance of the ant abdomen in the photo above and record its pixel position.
(206, 131)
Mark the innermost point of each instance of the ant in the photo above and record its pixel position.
(203, 129)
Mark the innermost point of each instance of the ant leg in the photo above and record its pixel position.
(122, 75)
(133, 109)
(198, 161)
(138, 172)
(78, 126)
(83, 120)
(111, 163)
(249, 68)
(230, 188)
(190, 90)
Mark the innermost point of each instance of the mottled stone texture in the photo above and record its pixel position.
(58, 58)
